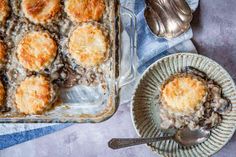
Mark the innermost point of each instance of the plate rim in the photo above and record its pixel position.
(155, 63)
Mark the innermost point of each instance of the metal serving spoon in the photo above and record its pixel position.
(168, 18)
(184, 137)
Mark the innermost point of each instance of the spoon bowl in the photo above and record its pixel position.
(187, 137)
(184, 137)
(169, 18)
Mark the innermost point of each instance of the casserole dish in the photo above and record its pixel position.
(82, 102)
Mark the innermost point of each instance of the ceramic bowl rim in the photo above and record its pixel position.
(150, 68)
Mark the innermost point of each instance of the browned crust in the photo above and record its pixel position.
(3, 53)
(2, 94)
(36, 51)
(172, 91)
(82, 46)
(40, 11)
(4, 11)
(34, 95)
(84, 10)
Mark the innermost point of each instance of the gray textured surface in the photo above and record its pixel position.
(214, 28)
(214, 35)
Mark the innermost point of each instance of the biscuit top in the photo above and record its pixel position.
(84, 10)
(184, 93)
(2, 53)
(88, 45)
(36, 51)
(4, 11)
(40, 11)
(34, 95)
(2, 94)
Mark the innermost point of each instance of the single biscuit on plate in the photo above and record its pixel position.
(4, 11)
(3, 53)
(183, 93)
(84, 10)
(40, 11)
(88, 45)
(36, 51)
(2, 94)
(34, 95)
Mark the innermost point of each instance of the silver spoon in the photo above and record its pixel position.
(184, 137)
(168, 18)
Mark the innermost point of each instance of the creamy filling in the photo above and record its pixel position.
(208, 115)
(63, 72)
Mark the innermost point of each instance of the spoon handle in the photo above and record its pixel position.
(117, 143)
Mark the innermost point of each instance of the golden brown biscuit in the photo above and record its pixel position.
(183, 93)
(4, 10)
(88, 45)
(34, 95)
(40, 11)
(84, 10)
(36, 51)
(2, 94)
(2, 53)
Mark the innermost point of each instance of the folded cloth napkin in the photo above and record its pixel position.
(149, 49)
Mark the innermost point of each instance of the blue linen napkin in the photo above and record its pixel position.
(149, 49)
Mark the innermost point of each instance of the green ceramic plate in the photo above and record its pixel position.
(145, 112)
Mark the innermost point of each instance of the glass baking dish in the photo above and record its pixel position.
(83, 104)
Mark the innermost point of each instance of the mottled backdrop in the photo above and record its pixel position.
(214, 28)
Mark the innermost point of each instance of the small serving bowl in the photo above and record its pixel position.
(145, 107)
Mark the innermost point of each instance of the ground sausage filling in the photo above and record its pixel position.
(206, 114)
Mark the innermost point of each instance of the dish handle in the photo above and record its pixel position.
(128, 56)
